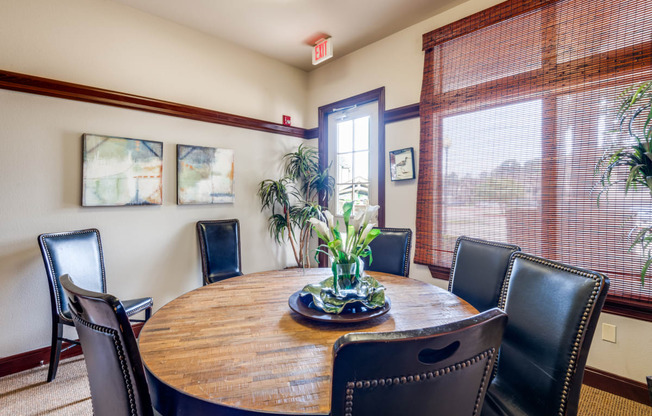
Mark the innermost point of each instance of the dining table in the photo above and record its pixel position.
(235, 347)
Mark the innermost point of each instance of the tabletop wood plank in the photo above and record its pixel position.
(237, 343)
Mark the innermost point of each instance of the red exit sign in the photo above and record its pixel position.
(322, 51)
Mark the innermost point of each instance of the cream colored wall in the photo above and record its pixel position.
(149, 251)
(396, 63)
(108, 45)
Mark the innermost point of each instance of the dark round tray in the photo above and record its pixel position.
(300, 306)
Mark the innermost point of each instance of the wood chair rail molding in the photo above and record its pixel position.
(53, 88)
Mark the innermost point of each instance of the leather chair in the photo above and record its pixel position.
(115, 370)
(78, 253)
(553, 311)
(390, 251)
(219, 244)
(478, 271)
(441, 370)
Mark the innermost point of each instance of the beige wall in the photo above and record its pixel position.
(149, 251)
(396, 63)
(108, 45)
(152, 250)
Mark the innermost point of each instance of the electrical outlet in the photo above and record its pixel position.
(609, 332)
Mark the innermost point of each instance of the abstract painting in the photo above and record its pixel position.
(204, 175)
(119, 171)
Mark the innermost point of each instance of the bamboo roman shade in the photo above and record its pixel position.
(518, 104)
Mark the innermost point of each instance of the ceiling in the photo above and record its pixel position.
(280, 28)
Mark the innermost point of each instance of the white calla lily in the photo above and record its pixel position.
(330, 220)
(366, 231)
(358, 218)
(349, 245)
(371, 215)
(321, 227)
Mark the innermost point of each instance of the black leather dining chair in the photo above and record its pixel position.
(219, 245)
(553, 310)
(78, 253)
(115, 370)
(442, 370)
(478, 271)
(390, 251)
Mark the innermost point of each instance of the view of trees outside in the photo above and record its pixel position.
(352, 180)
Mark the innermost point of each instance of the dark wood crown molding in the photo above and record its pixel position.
(53, 88)
(402, 113)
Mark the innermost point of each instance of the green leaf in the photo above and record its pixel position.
(347, 208)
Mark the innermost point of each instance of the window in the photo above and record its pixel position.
(352, 143)
(352, 160)
(517, 107)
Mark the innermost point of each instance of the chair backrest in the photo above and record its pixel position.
(443, 370)
(115, 370)
(553, 311)
(219, 244)
(478, 271)
(390, 251)
(77, 253)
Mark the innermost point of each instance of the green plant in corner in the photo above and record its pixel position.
(633, 157)
(294, 200)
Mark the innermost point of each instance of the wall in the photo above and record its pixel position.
(149, 251)
(396, 63)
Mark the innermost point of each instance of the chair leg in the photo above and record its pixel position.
(148, 313)
(55, 349)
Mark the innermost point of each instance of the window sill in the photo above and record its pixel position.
(613, 305)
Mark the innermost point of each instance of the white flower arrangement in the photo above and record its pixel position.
(359, 232)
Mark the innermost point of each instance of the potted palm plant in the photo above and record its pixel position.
(632, 156)
(294, 199)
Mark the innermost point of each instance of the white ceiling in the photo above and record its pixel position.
(280, 28)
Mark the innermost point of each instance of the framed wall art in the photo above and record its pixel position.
(204, 175)
(118, 171)
(401, 164)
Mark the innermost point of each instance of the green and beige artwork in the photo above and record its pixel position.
(204, 175)
(120, 171)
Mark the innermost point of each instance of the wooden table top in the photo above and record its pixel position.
(237, 342)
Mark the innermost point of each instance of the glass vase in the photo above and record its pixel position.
(346, 278)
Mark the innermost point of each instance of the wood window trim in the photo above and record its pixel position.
(613, 305)
(374, 95)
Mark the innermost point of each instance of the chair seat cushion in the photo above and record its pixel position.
(133, 306)
(216, 277)
(501, 403)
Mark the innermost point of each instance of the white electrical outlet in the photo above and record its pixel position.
(609, 332)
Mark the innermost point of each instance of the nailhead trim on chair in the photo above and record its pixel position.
(475, 240)
(121, 357)
(51, 264)
(416, 378)
(570, 370)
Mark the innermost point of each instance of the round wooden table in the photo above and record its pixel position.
(236, 347)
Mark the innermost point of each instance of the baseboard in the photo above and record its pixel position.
(41, 357)
(615, 384)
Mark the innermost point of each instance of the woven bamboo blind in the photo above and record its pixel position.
(517, 106)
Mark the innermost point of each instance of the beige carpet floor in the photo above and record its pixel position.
(28, 393)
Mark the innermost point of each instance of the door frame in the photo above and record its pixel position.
(324, 111)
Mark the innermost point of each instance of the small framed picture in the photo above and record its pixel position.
(401, 164)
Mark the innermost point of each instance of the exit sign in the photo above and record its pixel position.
(322, 51)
